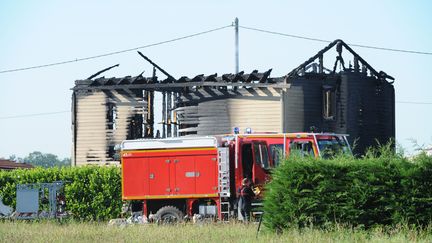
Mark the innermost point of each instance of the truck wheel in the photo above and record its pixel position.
(169, 215)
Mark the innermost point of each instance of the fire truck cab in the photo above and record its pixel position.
(185, 176)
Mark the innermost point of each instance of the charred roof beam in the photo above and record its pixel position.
(339, 44)
(312, 59)
(238, 77)
(139, 82)
(102, 71)
(170, 78)
(381, 74)
(198, 78)
(277, 83)
(252, 76)
(211, 78)
(264, 78)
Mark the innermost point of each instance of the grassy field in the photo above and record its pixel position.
(92, 232)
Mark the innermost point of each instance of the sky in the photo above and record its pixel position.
(35, 33)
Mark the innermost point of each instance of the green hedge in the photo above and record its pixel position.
(384, 189)
(93, 193)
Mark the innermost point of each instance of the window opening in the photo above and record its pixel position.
(302, 148)
(332, 146)
(276, 152)
(261, 155)
(329, 103)
(111, 116)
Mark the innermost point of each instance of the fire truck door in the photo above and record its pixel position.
(159, 176)
(247, 160)
(135, 176)
(185, 175)
(206, 168)
(261, 162)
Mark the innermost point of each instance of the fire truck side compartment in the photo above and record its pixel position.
(177, 173)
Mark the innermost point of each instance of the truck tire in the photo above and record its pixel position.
(169, 215)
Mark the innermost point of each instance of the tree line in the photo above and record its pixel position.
(39, 159)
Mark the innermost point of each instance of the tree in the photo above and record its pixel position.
(45, 160)
(13, 157)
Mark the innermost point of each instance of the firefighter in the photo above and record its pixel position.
(245, 195)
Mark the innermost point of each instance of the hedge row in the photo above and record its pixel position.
(375, 190)
(92, 193)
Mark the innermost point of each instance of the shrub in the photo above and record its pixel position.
(92, 193)
(380, 189)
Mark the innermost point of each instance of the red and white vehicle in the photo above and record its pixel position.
(184, 176)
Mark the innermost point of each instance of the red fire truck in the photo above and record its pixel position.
(184, 176)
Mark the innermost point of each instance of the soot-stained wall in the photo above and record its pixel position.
(361, 106)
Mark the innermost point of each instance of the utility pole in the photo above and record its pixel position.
(236, 26)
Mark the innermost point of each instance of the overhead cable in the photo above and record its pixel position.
(33, 115)
(68, 111)
(414, 102)
(206, 32)
(115, 52)
(328, 41)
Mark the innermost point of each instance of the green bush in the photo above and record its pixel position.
(92, 193)
(380, 189)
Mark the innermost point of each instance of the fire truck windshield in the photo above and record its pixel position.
(330, 146)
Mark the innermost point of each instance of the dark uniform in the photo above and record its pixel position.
(246, 195)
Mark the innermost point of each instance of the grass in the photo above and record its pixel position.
(50, 231)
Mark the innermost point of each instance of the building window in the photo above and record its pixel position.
(111, 116)
(329, 103)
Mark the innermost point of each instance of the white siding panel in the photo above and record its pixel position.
(259, 115)
(221, 116)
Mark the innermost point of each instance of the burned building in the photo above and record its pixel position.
(352, 98)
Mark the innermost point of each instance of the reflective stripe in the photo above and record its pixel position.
(170, 196)
(130, 152)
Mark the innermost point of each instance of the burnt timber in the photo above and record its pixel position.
(354, 99)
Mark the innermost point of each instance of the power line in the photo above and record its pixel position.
(68, 111)
(115, 52)
(414, 102)
(202, 33)
(34, 115)
(283, 34)
(328, 41)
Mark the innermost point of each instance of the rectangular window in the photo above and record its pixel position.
(302, 148)
(276, 152)
(111, 116)
(261, 155)
(331, 146)
(329, 103)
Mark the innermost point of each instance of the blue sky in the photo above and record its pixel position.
(41, 32)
